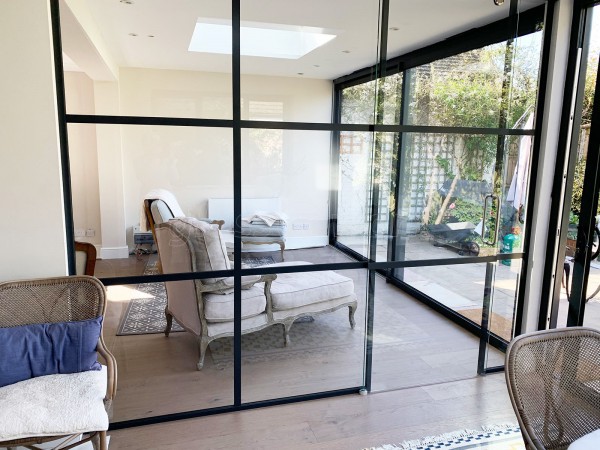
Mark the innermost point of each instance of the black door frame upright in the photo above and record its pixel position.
(568, 141)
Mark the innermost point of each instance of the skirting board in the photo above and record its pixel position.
(114, 252)
(291, 243)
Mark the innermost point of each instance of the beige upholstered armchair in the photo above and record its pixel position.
(55, 406)
(553, 380)
(205, 307)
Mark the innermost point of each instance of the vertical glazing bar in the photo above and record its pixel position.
(485, 318)
(384, 8)
(62, 133)
(237, 201)
(587, 218)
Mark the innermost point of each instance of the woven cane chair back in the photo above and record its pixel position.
(51, 300)
(553, 380)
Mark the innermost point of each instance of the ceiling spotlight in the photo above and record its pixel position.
(300, 73)
(127, 2)
(394, 29)
(132, 34)
(345, 51)
(498, 2)
(150, 35)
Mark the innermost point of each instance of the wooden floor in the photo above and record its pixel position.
(424, 379)
(349, 422)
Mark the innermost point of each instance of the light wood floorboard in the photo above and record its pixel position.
(349, 422)
(413, 346)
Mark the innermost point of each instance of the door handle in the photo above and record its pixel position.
(494, 237)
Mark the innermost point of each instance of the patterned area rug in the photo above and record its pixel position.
(146, 315)
(497, 437)
(330, 334)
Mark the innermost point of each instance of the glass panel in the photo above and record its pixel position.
(415, 346)
(290, 54)
(146, 57)
(354, 190)
(444, 182)
(357, 150)
(115, 168)
(285, 173)
(159, 375)
(324, 351)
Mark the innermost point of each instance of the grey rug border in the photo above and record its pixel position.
(177, 328)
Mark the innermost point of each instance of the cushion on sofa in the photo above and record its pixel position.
(205, 244)
(36, 350)
(218, 307)
(257, 229)
(54, 405)
(292, 290)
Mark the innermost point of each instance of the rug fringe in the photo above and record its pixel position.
(428, 440)
(499, 427)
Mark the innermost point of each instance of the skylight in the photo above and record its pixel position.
(258, 39)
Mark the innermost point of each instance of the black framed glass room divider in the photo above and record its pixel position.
(456, 146)
(223, 111)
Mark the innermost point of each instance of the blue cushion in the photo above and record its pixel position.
(48, 348)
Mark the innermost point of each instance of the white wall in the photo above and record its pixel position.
(196, 163)
(32, 226)
(83, 158)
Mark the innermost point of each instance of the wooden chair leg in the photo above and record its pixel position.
(169, 318)
(352, 310)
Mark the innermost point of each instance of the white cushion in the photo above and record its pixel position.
(54, 405)
(219, 307)
(590, 441)
(293, 290)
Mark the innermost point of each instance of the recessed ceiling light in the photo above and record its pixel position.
(300, 73)
(132, 34)
(316, 65)
(345, 51)
(127, 2)
(394, 28)
(150, 35)
(258, 39)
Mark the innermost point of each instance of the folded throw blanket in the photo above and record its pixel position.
(269, 218)
(165, 196)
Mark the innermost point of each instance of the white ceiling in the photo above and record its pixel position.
(171, 23)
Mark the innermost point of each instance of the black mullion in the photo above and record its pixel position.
(237, 201)
(334, 182)
(399, 191)
(61, 109)
(535, 158)
(377, 157)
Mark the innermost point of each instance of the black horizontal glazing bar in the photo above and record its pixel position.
(306, 126)
(182, 276)
(227, 409)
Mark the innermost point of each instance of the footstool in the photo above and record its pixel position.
(261, 233)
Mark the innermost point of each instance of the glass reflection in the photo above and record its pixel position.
(127, 178)
(137, 59)
(159, 375)
(316, 342)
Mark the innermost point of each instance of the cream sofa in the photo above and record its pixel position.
(205, 307)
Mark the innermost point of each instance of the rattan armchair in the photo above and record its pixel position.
(53, 300)
(553, 380)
